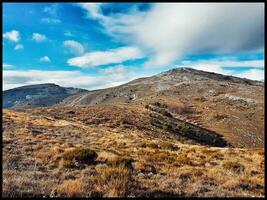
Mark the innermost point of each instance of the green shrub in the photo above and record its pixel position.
(184, 128)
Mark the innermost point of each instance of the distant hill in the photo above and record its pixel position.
(40, 95)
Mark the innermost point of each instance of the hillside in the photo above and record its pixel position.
(45, 154)
(231, 106)
(182, 133)
(41, 95)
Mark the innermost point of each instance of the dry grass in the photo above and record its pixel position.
(112, 181)
(75, 157)
(130, 162)
(72, 188)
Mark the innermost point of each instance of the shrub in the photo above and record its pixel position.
(184, 128)
(184, 109)
(234, 166)
(123, 161)
(76, 157)
(152, 145)
(145, 168)
(158, 104)
(201, 99)
(161, 156)
(71, 188)
(169, 146)
(165, 113)
(112, 181)
(220, 117)
(183, 159)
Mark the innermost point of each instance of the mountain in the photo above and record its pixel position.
(229, 105)
(181, 133)
(184, 81)
(40, 95)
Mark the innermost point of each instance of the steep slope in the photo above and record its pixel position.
(40, 95)
(231, 106)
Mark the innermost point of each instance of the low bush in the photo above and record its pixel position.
(184, 128)
(234, 166)
(220, 117)
(184, 109)
(169, 146)
(78, 157)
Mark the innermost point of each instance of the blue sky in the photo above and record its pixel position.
(98, 45)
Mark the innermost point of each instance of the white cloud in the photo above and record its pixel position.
(114, 70)
(94, 10)
(253, 74)
(68, 34)
(45, 59)
(7, 66)
(171, 31)
(13, 79)
(211, 68)
(222, 67)
(52, 10)
(97, 58)
(50, 20)
(74, 47)
(247, 63)
(227, 62)
(18, 47)
(13, 36)
(38, 37)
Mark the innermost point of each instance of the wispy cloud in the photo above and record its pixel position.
(252, 69)
(13, 78)
(19, 47)
(45, 59)
(68, 34)
(7, 66)
(52, 11)
(112, 56)
(38, 37)
(74, 47)
(114, 70)
(227, 62)
(50, 20)
(13, 36)
(253, 74)
(169, 32)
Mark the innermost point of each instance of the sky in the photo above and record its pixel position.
(100, 45)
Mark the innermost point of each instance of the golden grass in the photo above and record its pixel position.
(72, 188)
(140, 162)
